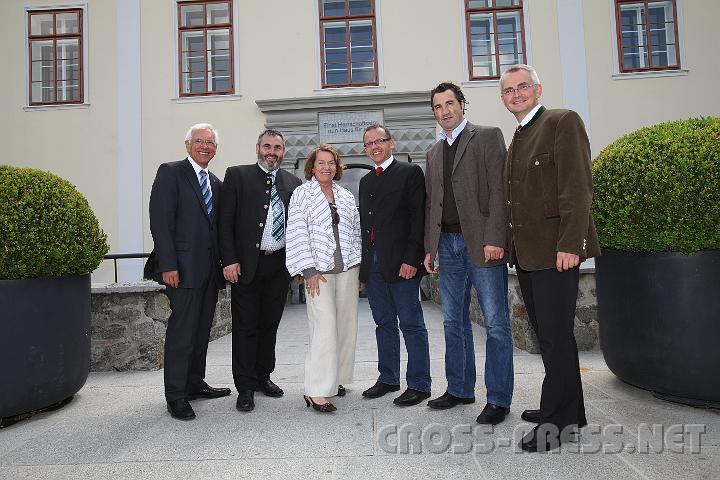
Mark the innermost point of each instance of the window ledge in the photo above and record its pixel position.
(59, 106)
(349, 90)
(208, 98)
(480, 83)
(650, 74)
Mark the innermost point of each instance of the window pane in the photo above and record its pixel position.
(662, 35)
(361, 52)
(220, 82)
(41, 24)
(360, 7)
(333, 8)
(191, 15)
(632, 20)
(337, 76)
(482, 46)
(219, 59)
(41, 92)
(67, 23)
(218, 13)
(509, 38)
(68, 91)
(193, 54)
(490, 3)
(193, 83)
(67, 60)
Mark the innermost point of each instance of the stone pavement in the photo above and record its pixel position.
(117, 427)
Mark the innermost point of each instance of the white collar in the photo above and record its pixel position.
(384, 165)
(197, 167)
(456, 131)
(530, 115)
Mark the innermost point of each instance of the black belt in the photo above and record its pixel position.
(271, 252)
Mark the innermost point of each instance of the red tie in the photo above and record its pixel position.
(519, 127)
(378, 171)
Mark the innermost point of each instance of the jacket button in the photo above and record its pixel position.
(267, 191)
(265, 207)
(257, 245)
(261, 224)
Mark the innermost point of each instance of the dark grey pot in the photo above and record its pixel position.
(659, 316)
(45, 341)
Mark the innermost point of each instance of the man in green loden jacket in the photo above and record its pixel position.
(550, 232)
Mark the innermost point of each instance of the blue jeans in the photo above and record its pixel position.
(394, 303)
(457, 274)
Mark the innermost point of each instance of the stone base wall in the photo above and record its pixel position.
(129, 321)
(524, 337)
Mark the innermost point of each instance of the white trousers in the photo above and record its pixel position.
(332, 322)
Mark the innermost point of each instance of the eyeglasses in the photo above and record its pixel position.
(207, 143)
(380, 141)
(335, 215)
(509, 92)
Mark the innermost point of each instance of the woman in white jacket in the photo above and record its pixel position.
(323, 243)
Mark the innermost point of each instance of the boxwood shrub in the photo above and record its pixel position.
(47, 228)
(658, 188)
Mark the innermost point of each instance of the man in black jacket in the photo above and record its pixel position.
(392, 213)
(184, 204)
(252, 237)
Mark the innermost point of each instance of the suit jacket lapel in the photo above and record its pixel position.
(467, 134)
(192, 179)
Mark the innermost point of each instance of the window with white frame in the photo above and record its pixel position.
(348, 46)
(495, 37)
(205, 48)
(55, 55)
(647, 33)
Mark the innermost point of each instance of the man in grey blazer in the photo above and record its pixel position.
(184, 205)
(465, 231)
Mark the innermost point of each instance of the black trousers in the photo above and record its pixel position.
(187, 337)
(256, 311)
(550, 298)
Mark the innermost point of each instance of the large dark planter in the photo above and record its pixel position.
(659, 316)
(44, 341)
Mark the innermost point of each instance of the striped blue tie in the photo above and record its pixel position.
(205, 190)
(278, 218)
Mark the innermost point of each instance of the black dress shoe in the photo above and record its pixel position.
(541, 440)
(492, 414)
(245, 401)
(448, 401)
(206, 391)
(411, 397)
(380, 389)
(270, 389)
(532, 416)
(180, 409)
(341, 391)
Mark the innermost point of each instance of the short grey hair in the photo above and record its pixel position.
(522, 67)
(202, 126)
(271, 133)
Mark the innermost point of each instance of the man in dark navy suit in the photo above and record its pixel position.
(392, 216)
(184, 208)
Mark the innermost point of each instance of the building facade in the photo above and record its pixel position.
(101, 92)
